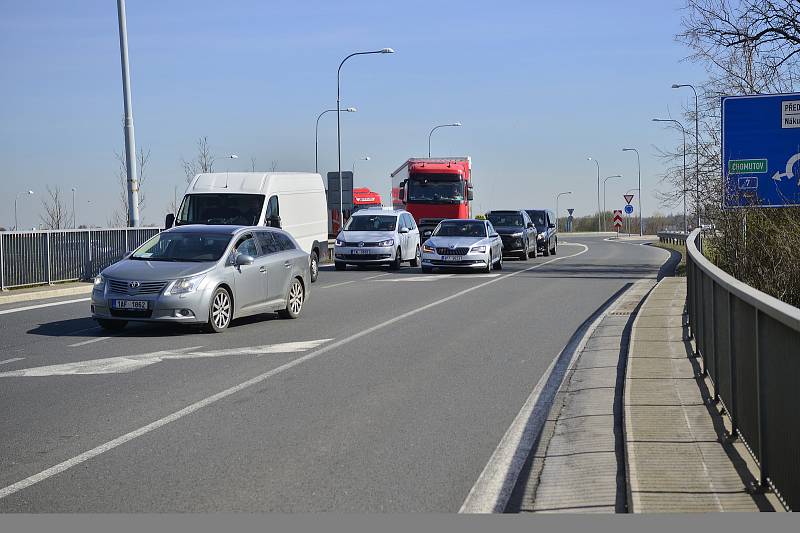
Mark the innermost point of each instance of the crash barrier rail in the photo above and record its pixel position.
(749, 343)
(46, 257)
(672, 237)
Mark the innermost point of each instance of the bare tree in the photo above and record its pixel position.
(202, 162)
(56, 214)
(119, 218)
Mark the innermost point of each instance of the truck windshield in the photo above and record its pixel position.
(221, 208)
(460, 229)
(371, 223)
(183, 247)
(505, 219)
(435, 191)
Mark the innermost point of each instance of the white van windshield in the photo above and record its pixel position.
(220, 208)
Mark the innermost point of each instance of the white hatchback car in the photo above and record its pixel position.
(378, 236)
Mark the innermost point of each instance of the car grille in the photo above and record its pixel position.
(145, 287)
(508, 240)
(358, 244)
(452, 251)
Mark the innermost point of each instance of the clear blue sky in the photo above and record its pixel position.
(539, 86)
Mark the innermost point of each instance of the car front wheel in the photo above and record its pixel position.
(220, 311)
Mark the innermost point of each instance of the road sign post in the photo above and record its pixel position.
(570, 220)
(761, 150)
(617, 220)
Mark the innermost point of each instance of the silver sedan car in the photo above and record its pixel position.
(457, 243)
(205, 275)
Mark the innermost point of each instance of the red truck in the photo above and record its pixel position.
(363, 197)
(433, 189)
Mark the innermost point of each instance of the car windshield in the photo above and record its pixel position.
(435, 191)
(538, 218)
(371, 223)
(183, 247)
(460, 229)
(505, 219)
(221, 208)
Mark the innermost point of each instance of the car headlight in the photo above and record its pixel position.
(428, 249)
(387, 242)
(99, 282)
(478, 250)
(541, 236)
(339, 242)
(517, 235)
(186, 285)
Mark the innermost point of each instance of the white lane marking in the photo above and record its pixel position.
(11, 360)
(177, 415)
(378, 276)
(339, 284)
(491, 491)
(129, 363)
(90, 341)
(39, 306)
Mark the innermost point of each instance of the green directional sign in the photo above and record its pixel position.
(747, 166)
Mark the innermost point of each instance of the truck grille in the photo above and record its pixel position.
(452, 251)
(145, 287)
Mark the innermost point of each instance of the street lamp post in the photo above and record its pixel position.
(453, 125)
(604, 196)
(339, 122)
(685, 223)
(599, 215)
(696, 147)
(73, 208)
(16, 224)
(130, 142)
(639, 169)
(559, 195)
(316, 134)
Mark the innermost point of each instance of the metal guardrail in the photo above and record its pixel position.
(45, 257)
(749, 343)
(672, 237)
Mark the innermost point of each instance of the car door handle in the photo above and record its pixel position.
(262, 269)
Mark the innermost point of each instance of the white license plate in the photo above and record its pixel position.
(362, 252)
(137, 305)
(454, 258)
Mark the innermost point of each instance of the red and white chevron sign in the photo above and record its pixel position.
(617, 218)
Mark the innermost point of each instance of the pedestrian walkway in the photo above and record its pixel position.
(43, 292)
(677, 457)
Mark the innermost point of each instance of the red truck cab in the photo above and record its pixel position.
(363, 198)
(433, 189)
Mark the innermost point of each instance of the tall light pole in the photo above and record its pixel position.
(316, 134)
(639, 168)
(696, 147)
(453, 125)
(599, 215)
(604, 196)
(16, 224)
(130, 142)
(73, 208)
(559, 195)
(339, 122)
(685, 223)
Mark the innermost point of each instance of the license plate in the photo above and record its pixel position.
(361, 252)
(137, 305)
(454, 258)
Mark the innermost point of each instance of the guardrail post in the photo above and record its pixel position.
(713, 347)
(126, 240)
(2, 265)
(763, 464)
(89, 252)
(732, 411)
(47, 257)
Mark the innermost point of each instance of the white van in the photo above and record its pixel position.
(292, 201)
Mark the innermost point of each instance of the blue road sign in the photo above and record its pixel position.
(629, 209)
(761, 150)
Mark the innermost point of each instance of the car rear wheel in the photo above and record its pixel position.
(314, 266)
(220, 311)
(295, 297)
(338, 265)
(415, 261)
(112, 325)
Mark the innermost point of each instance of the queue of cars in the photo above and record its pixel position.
(249, 243)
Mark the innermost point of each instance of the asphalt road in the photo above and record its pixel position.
(389, 394)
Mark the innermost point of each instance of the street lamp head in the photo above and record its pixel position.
(387, 51)
(676, 86)
(234, 156)
(366, 158)
(30, 192)
(455, 124)
(627, 149)
(351, 110)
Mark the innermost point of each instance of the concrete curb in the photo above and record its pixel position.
(44, 294)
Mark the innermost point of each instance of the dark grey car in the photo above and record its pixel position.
(205, 275)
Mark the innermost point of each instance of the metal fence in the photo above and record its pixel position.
(672, 237)
(43, 257)
(749, 343)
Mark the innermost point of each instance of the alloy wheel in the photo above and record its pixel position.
(221, 310)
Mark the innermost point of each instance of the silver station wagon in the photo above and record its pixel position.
(205, 275)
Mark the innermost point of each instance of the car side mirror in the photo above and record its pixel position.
(402, 230)
(470, 194)
(274, 222)
(551, 225)
(169, 221)
(243, 260)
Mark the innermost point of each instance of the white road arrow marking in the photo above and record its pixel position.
(129, 363)
(789, 174)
